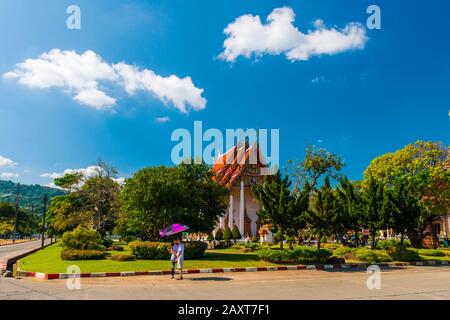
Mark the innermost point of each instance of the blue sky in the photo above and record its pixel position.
(359, 103)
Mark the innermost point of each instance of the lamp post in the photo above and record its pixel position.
(43, 220)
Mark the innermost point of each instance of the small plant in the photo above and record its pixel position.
(122, 257)
(255, 239)
(236, 235)
(341, 251)
(369, 255)
(73, 254)
(115, 248)
(210, 237)
(431, 253)
(227, 236)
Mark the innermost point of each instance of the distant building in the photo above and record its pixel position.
(238, 169)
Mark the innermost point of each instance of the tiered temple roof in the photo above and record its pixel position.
(229, 166)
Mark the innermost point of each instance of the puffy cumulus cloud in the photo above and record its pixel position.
(5, 162)
(87, 172)
(9, 175)
(247, 36)
(78, 73)
(85, 75)
(181, 92)
(90, 171)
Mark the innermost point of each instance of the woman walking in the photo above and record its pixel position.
(173, 257)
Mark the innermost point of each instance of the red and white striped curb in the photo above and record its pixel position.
(51, 276)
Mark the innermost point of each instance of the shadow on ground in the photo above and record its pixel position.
(211, 279)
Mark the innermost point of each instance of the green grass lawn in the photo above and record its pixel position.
(48, 261)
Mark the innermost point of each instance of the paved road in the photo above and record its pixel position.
(399, 283)
(17, 249)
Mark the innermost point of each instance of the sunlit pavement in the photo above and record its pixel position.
(399, 283)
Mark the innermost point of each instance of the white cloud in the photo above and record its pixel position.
(77, 73)
(5, 162)
(248, 37)
(9, 175)
(181, 92)
(87, 172)
(162, 119)
(84, 75)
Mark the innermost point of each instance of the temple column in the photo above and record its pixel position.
(241, 209)
(230, 210)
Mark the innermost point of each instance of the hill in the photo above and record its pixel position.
(30, 195)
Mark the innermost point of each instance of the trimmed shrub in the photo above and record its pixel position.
(107, 243)
(122, 257)
(405, 255)
(341, 251)
(331, 246)
(392, 244)
(73, 254)
(235, 233)
(82, 238)
(431, 253)
(194, 250)
(115, 248)
(210, 237)
(227, 236)
(219, 235)
(299, 255)
(369, 255)
(255, 239)
(146, 250)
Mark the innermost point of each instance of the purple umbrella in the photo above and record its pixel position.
(173, 229)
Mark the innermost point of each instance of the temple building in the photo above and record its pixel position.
(238, 169)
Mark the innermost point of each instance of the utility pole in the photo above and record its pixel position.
(32, 222)
(17, 212)
(43, 221)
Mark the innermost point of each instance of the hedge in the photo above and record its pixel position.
(122, 257)
(364, 254)
(431, 253)
(301, 255)
(147, 250)
(115, 248)
(73, 254)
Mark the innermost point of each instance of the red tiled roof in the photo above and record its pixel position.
(228, 167)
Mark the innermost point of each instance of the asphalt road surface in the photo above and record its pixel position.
(12, 250)
(431, 282)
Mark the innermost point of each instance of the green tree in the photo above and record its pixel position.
(407, 210)
(426, 162)
(96, 204)
(375, 216)
(318, 163)
(235, 233)
(157, 196)
(351, 204)
(210, 237)
(323, 212)
(281, 207)
(69, 180)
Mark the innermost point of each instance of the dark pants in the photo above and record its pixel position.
(173, 269)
